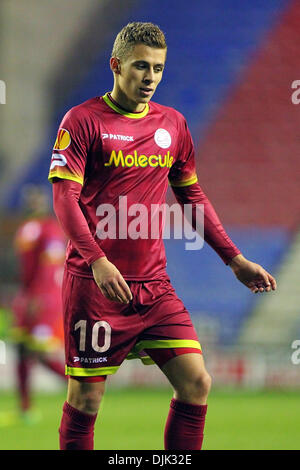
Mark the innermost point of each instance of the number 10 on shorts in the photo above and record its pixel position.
(82, 326)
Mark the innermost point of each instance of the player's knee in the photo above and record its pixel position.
(196, 389)
(203, 384)
(91, 401)
(200, 386)
(86, 397)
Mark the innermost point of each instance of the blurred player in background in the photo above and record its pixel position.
(38, 332)
(118, 299)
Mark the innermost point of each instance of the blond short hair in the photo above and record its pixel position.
(137, 33)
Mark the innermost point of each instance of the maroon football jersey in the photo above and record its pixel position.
(124, 162)
(40, 247)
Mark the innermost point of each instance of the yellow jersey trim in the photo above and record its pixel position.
(146, 360)
(160, 344)
(90, 371)
(167, 343)
(188, 182)
(123, 112)
(65, 177)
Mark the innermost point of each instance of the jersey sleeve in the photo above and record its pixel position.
(214, 232)
(71, 148)
(183, 171)
(65, 202)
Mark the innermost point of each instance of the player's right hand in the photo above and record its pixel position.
(110, 281)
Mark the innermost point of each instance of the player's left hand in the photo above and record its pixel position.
(252, 275)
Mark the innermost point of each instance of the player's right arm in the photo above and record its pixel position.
(67, 175)
(111, 283)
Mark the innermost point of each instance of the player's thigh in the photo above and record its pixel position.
(187, 374)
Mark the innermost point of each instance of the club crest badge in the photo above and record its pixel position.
(162, 138)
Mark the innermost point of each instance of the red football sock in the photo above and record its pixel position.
(23, 369)
(185, 425)
(76, 430)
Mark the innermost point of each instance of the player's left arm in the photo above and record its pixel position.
(183, 180)
(252, 275)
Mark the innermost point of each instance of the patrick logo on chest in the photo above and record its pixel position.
(134, 158)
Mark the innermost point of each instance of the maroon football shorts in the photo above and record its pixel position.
(100, 333)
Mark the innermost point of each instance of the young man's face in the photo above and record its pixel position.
(139, 74)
